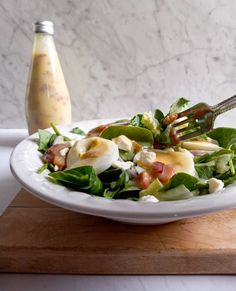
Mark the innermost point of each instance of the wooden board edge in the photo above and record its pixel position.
(117, 264)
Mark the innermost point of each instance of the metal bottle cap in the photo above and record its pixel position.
(43, 27)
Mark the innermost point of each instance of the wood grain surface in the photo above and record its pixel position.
(37, 237)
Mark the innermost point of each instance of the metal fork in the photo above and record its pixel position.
(199, 119)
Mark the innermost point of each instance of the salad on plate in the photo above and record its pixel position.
(139, 159)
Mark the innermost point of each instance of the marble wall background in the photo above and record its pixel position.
(120, 57)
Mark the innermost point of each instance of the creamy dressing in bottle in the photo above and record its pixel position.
(47, 96)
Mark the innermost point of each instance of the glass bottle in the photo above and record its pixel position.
(47, 97)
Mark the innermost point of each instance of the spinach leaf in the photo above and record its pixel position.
(205, 170)
(222, 159)
(159, 115)
(126, 155)
(77, 130)
(202, 159)
(180, 105)
(181, 186)
(216, 164)
(117, 187)
(229, 180)
(164, 137)
(45, 140)
(136, 120)
(110, 175)
(213, 156)
(225, 136)
(223, 163)
(189, 181)
(178, 193)
(129, 193)
(141, 135)
(53, 137)
(81, 178)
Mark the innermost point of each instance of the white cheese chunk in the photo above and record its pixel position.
(215, 185)
(64, 151)
(56, 168)
(123, 143)
(139, 170)
(145, 157)
(122, 165)
(58, 140)
(149, 198)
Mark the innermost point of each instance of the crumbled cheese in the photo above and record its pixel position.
(64, 151)
(123, 143)
(122, 165)
(137, 157)
(72, 142)
(215, 185)
(58, 140)
(145, 157)
(139, 170)
(148, 198)
(56, 168)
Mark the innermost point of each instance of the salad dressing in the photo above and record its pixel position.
(47, 96)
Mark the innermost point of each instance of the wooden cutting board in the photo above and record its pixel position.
(37, 237)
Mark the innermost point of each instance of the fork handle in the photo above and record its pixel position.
(224, 106)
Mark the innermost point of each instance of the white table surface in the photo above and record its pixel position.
(25, 282)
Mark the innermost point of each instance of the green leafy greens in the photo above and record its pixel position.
(81, 178)
(78, 130)
(151, 131)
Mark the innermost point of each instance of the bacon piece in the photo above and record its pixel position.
(97, 130)
(170, 118)
(162, 172)
(174, 137)
(156, 169)
(143, 180)
(53, 156)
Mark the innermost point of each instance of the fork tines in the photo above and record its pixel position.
(186, 128)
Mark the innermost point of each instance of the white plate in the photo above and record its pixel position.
(25, 160)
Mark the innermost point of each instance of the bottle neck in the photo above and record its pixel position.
(43, 43)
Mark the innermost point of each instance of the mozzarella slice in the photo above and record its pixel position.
(93, 151)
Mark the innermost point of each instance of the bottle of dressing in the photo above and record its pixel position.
(47, 98)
